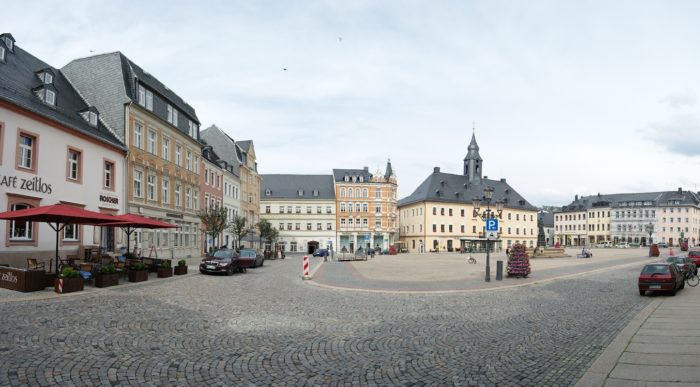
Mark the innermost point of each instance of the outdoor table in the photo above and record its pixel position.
(23, 280)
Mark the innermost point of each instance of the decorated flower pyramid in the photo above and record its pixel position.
(518, 261)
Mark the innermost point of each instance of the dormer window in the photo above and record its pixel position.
(193, 129)
(145, 98)
(172, 115)
(9, 43)
(46, 95)
(2, 53)
(268, 192)
(48, 78)
(362, 179)
(354, 179)
(91, 115)
(300, 192)
(346, 178)
(315, 192)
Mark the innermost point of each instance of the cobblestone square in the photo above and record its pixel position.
(268, 327)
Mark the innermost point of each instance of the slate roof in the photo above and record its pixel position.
(224, 146)
(287, 187)
(339, 174)
(662, 198)
(451, 188)
(546, 218)
(245, 145)
(111, 80)
(18, 75)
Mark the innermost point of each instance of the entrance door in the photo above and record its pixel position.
(449, 245)
(311, 247)
(107, 238)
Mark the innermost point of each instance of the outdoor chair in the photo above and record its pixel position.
(86, 271)
(32, 263)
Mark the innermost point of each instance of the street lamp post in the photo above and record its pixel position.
(650, 230)
(487, 213)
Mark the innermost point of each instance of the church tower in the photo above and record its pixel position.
(473, 162)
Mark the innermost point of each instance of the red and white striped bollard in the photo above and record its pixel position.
(306, 268)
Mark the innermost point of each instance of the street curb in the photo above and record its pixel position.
(598, 373)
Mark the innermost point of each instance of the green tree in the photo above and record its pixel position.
(264, 227)
(214, 221)
(238, 229)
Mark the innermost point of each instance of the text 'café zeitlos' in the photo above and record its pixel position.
(54, 148)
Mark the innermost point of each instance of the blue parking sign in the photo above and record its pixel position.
(492, 224)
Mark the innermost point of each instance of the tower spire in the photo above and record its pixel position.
(473, 161)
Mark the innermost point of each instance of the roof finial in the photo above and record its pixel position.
(473, 127)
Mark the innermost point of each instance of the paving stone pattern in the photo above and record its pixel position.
(267, 327)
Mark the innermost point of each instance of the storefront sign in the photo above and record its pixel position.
(108, 200)
(34, 184)
(171, 215)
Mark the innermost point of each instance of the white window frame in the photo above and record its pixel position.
(142, 96)
(138, 183)
(188, 159)
(108, 173)
(2, 54)
(73, 164)
(50, 97)
(151, 187)
(138, 134)
(188, 197)
(29, 226)
(152, 141)
(73, 229)
(196, 199)
(178, 154)
(165, 190)
(92, 118)
(149, 100)
(48, 78)
(175, 115)
(166, 148)
(178, 195)
(26, 152)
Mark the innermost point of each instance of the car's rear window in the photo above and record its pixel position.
(692, 253)
(655, 269)
(248, 253)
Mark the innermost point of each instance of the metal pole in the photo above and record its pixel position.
(488, 265)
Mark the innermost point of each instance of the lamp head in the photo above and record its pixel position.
(488, 193)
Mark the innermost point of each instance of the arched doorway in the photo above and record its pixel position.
(311, 247)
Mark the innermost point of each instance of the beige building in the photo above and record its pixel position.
(161, 132)
(438, 215)
(367, 209)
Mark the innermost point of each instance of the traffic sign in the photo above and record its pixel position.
(491, 224)
(491, 235)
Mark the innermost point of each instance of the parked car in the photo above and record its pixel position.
(684, 263)
(695, 256)
(660, 277)
(603, 244)
(321, 252)
(222, 261)
(663, 245)
(250, 258)
(622, 245)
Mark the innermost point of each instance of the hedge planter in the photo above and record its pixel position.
(138, 275)
(165, 272)
(180, 270)
(106, 280)
(68, 285)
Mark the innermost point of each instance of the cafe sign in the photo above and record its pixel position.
(34, 184)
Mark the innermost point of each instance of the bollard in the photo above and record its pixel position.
(306, 268)
(499, 270)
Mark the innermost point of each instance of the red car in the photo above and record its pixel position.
(660, 277)
(695, 256)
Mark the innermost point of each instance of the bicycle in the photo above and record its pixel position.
(691, 278)
(471, 259)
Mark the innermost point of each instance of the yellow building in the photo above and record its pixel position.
(438, 215)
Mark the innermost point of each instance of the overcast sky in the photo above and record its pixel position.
(568, 97)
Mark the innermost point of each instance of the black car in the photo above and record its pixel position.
(250, 258)
(222, 261)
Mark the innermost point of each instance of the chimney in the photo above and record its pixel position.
(436, 170)
(576, 198)
(680, 190)
(503, 180)
(366, 169)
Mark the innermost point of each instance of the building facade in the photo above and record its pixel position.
(302, 209)
(54, 148)
(438, 215)
(232, 199)
(240, 155)
(211, 181)
(669, 216)
(367, 210)
(161, 133)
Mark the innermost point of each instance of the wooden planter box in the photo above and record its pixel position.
(106, 280)
(180, 270)
(68, 285)
(165, 272)
(138, 276)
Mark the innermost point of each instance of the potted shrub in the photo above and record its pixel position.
(165, 270)
(654, 250)
(107, 276)
(69, 281)
(181, 267)
(138, 272)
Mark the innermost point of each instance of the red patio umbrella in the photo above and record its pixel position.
(129, 222)
(57, 216)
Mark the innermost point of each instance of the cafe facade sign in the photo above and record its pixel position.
(108, 200)
(32, 184)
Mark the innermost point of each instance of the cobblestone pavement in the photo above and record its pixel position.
(267, 327)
